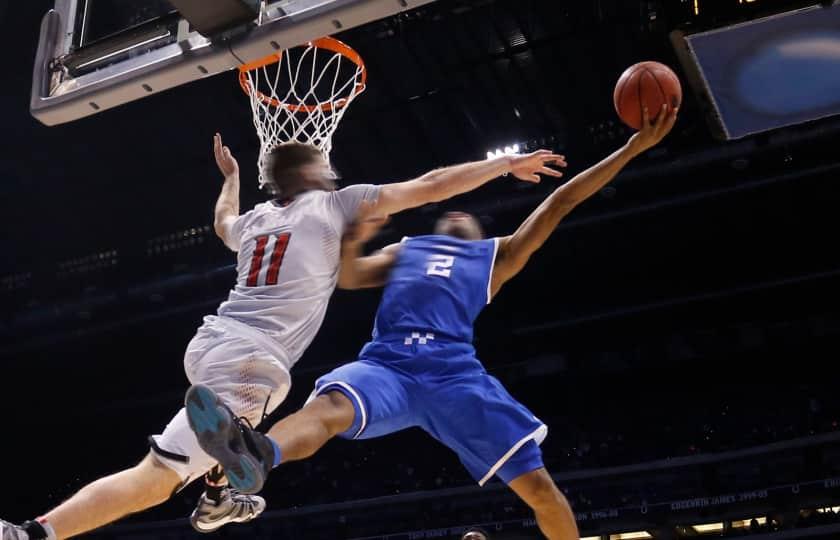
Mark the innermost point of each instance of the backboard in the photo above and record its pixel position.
(94, 55)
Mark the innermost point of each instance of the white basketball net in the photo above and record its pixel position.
(301, 95)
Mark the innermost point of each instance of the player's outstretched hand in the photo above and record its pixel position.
(653, 132)
(529, 167)
(224, 159)
(368, 222)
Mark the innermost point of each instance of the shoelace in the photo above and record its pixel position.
(247, 435)
(247, 500)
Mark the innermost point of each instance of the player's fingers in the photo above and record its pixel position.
(662, 117)
(672, 118)
(665, 121)
(645, 117)
(548, 171)
(535, 178)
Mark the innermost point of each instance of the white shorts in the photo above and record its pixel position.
(250, 380)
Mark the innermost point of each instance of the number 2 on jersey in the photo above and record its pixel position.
(281, 242)
(440, 265)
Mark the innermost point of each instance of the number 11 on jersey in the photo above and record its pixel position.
(278, 251)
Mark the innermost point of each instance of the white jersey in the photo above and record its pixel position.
(288, 266)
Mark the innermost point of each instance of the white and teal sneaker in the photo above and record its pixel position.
(233, 507)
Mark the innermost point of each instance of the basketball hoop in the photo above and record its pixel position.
(301, 94)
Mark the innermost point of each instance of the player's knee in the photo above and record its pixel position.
(336, 412)
(542, 494)
(155, 482)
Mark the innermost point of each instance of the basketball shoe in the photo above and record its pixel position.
(247, 456)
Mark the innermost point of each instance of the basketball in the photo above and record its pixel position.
(646, 84)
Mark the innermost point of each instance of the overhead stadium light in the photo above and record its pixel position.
(507, 151)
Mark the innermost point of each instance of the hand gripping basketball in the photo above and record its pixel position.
(652, 132)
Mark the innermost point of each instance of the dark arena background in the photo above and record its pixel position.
(678, 333)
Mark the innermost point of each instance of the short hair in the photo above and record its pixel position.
(477, 531)
(281, 164)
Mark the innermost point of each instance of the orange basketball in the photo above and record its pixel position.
(646, 84)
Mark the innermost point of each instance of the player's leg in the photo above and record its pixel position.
(253, 383)
(176, 459)
(302, 434)
(102, 502)
(495, 435)
(358, 400)
(248, 456)
(552, 510)
(108, 499)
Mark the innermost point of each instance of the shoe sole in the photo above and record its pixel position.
(219, 436)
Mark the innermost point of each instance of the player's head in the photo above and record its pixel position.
(476, 533)
(460, 225)
(293, 167)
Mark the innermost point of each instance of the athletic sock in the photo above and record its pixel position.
(215, 482)
(278, 456)
(39, 530)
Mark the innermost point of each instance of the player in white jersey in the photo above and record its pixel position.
(288, 265)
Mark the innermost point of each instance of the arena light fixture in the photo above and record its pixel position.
(506, 151)
(708, 528)
(635, 535)
(745, 523)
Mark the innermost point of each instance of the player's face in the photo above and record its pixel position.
(460, 225)
(321, 174)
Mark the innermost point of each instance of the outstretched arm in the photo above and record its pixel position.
(227, 206)
(358, 271)
(515, 250)
(443, 184)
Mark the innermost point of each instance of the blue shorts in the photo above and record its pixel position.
(469, 411)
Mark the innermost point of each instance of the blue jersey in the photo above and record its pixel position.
(438, 286)
(420, 370)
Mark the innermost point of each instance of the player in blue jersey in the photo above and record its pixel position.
(420, 368)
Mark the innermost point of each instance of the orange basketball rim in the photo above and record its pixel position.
(326, 43)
